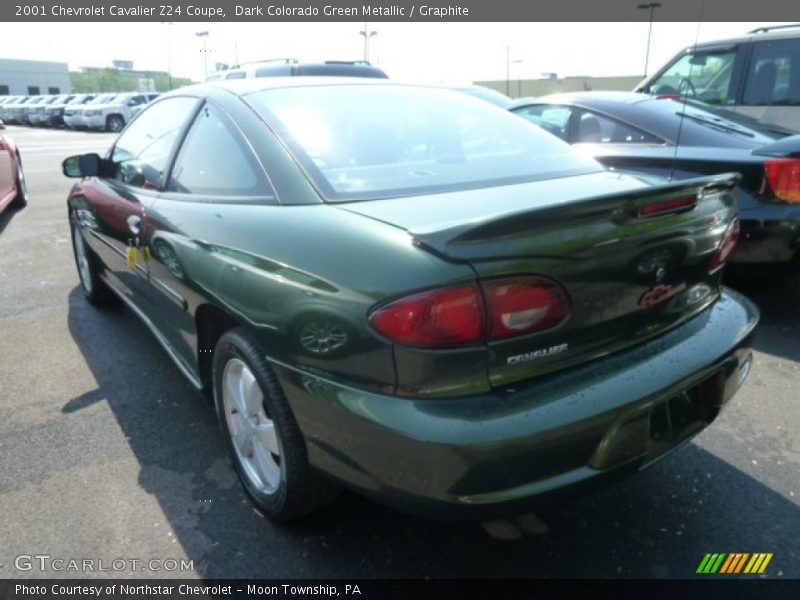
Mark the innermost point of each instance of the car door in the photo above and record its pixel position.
(116, 204)
(772, 83)
(215, 176)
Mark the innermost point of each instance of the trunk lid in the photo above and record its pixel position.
(629, 273)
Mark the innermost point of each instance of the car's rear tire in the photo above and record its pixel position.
(115, 123)
(94, 288)
(21, 199)
(266, 445)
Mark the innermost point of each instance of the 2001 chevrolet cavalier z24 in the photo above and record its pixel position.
(412, 292)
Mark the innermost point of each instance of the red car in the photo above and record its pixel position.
(13, 191)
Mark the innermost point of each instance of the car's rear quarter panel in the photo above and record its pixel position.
(272, 267)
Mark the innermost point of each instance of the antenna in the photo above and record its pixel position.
(686, 95)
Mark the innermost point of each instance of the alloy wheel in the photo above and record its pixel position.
(253, 433)
(82, 258)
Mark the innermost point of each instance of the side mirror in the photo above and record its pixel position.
(82, 165)
(2, 125)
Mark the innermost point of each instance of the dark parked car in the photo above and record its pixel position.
(639, 133)
(412, 293)
(13, 191)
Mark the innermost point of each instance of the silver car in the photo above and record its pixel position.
(73, 115)
(115, 114)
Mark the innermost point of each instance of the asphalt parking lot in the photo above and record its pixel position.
(107, 453)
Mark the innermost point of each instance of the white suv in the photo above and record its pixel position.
(757, 75)
(116, 114)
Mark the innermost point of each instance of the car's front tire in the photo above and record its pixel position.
(115, 123)
(266, 445)
(21, 199)
(94, 288)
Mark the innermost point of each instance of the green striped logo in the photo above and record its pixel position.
(731, 563)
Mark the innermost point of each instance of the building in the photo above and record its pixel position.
(32, 77)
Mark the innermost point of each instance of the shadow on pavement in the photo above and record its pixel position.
(6, 217)
(778, 298)
(658, 523)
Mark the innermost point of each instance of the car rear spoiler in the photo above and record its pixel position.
(788, 147)
(617, 207)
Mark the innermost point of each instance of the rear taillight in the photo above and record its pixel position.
(726, 247)
(447, 317)
(524, 305)
(783, 176)
(462, 315)
(667, 206)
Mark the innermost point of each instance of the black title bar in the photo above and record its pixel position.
(233, 589)
(398, 10)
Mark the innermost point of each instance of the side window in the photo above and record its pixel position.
(142, 151)
(774, 74)
(214, 161)
(591, 128)
(236, 75)
(554, 119)
(705, 76)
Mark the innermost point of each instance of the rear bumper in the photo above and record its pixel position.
(502, 452)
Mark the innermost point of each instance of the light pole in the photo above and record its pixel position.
(366, 34)
(169, 53)
(652, 6)
(518, 62)
(508, 71)
(203, 35)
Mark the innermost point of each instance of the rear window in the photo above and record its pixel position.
(361, 142)
(340, 70)
(274, 71)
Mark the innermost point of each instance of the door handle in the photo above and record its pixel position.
(135, 224)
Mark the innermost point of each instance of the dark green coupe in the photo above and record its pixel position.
(412, 292)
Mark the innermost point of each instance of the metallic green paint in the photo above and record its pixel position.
(494, 453)
(433, 430)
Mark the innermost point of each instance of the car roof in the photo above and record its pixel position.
(589, 99)
(789, 32)
(243, 87)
